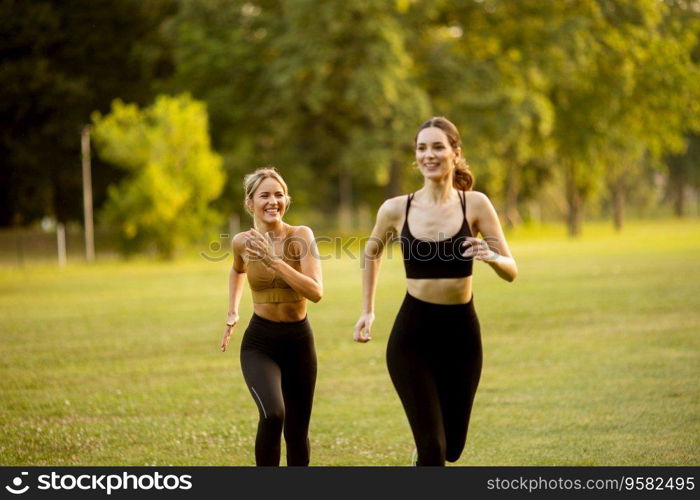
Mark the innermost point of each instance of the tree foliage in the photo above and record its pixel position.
(589, 94)
(540, 90)
(173, 175)
(61, 61)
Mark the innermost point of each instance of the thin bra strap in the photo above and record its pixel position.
(408, 203)
(463, 201)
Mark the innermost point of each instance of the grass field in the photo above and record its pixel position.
(591, 357)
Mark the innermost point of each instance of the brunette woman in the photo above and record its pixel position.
(434, 351)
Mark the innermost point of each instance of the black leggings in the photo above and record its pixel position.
(434, 359)
(279, 366)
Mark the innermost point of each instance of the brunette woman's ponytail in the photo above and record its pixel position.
(463, 177)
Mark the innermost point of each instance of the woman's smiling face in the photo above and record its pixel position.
(434, 155)
(269, 201)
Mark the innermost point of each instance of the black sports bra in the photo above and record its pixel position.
(425, 259)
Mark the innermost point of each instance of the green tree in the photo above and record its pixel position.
(344, 78)
(221, 49)
(632, 80)
(484, 65)
(683, 171)
(332, 92)
(325, 91)
(661, 107)
(61, 61)
(172, 173)
(586, 88)
(684, 167)
(625, 164)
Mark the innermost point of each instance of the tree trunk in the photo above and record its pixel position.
(678, 192)
(393, 188)
(618, 195)
(676, 189)
(512, 190)
(345, 204)
(575, 206)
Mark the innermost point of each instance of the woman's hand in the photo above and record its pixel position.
(478, 249)
(362, 328)
(259, 247)
(230, 323)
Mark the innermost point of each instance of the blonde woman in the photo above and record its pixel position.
(434, 350)
(278, 358)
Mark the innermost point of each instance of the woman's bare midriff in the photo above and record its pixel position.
(441, 290)
(282, 312)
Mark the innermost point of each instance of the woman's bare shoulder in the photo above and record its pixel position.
(238, 240)
(304, 232)
(393, 208)
(477, 196)
(478, 200)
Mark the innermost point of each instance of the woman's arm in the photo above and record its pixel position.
(493, 248)
(371, 260)
(236, 279)
(308, 282)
